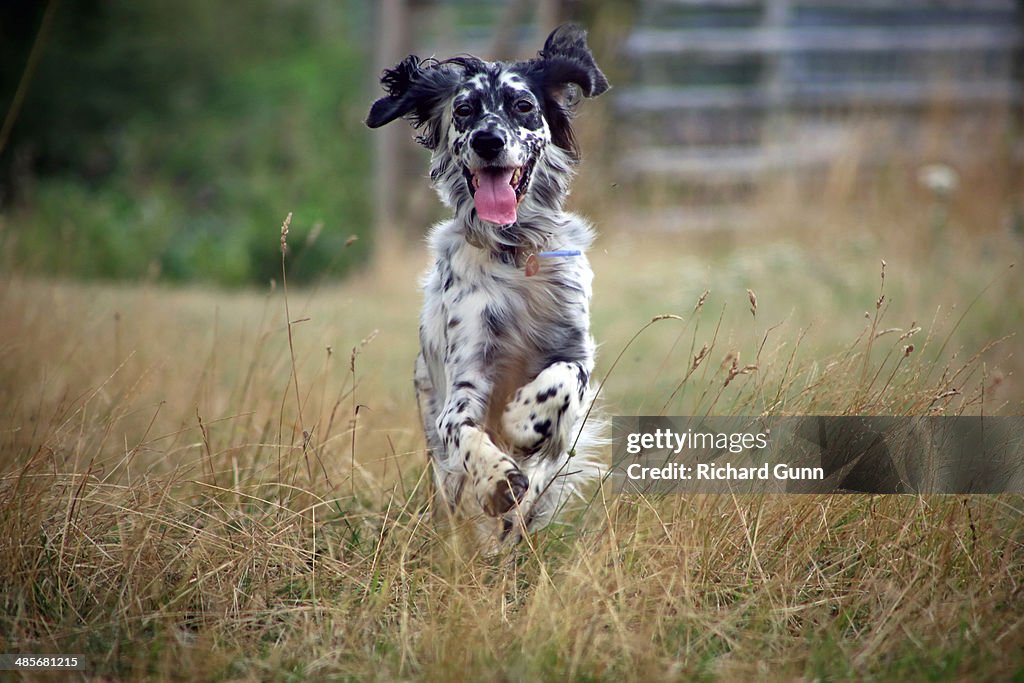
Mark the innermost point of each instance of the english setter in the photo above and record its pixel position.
(503, 374)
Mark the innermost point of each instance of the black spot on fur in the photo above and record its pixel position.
(567, 344)
(494, 321)
(542, 428)
(440, 170)
(545, 394)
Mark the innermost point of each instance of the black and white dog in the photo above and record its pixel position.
(503, 375)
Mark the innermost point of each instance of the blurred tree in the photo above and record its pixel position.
(170, 139)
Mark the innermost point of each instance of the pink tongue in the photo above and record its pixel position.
(495, 199)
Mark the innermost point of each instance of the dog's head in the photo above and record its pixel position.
(491, 125)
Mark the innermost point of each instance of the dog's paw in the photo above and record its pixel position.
(498, 495)
(497, 481)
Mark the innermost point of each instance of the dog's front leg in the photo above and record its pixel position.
(496, 481)
(542, 414)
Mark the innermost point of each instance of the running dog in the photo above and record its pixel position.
(506, 354)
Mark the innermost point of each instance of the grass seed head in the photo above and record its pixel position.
(701, 299)
(699, 357)
(732, 361)
(914, 329)
(284, 233)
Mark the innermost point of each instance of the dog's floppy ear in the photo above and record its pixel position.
(564, 63)
(398, 83)
(566, 59)
(416, 89)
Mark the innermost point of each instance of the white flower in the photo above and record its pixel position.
(938, 178)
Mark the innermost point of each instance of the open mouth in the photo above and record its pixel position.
(497, 191)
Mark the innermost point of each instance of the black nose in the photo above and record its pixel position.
(487, 144)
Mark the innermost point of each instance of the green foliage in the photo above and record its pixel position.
(171, 140)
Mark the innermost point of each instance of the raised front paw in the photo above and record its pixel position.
(540, 408)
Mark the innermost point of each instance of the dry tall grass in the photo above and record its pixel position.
(194, 487)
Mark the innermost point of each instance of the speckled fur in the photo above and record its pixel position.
(503, 374)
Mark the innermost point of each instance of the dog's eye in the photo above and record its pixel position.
(463, 109)
(524, 106)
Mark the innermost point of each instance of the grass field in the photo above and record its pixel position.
(186, 495)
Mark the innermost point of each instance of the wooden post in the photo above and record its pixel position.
(549, 14)
(776, 15)
(392, 41)
(505, 43)
(549, 17)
